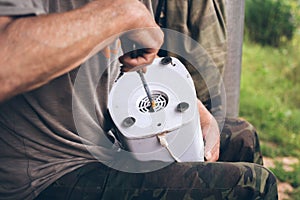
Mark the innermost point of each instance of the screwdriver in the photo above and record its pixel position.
(152, 102)
(135, 54)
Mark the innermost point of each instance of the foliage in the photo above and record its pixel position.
(270, 100)
(270, 22)
(292, 177)
(269, 96)
(296, 194)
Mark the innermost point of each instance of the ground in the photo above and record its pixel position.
(283, 188)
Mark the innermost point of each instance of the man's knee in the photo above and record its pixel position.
(248, 181)
(239, 142)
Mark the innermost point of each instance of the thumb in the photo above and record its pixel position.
(208, 155)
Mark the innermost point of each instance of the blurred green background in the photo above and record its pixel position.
(270, 82)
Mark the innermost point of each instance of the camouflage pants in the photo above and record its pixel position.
(239, 142)
(240, 179)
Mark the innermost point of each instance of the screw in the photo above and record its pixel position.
(129, 121)
(183, 106)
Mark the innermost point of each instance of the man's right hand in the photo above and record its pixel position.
(39, 44)
(146, 37)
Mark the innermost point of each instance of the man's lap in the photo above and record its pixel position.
(236, 179)
(176, 181)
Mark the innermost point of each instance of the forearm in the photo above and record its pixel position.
(35, 50)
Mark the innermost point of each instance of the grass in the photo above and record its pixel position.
(270, 100)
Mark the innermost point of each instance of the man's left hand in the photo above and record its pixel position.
(211, 134)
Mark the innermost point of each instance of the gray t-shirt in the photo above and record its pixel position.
(50, 131)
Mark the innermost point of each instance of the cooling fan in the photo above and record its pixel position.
(168, 131)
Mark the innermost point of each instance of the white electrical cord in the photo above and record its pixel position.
(164, 143)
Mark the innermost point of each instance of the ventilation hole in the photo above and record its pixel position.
(160, 99)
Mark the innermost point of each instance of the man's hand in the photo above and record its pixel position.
(39, 44)
(141, 48)
(137, 59)
(141, 44)
(211, 134)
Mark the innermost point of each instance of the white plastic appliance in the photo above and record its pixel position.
(169, 132)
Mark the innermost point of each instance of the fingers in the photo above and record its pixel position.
(145, 42)
(139, 60)
(210, 132)
(212, 141)
(212, 153)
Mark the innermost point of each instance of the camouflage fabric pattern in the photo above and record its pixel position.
(175, 182)
(239, 142)
(225, 179)
(204, 21)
